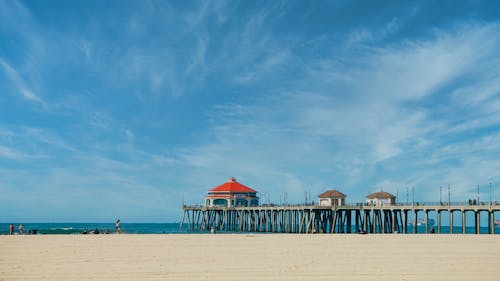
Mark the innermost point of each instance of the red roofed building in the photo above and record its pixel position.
(380, 198)
(331, 198)
(232, 194)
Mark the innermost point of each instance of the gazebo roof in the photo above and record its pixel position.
(380, 195)
(332, 194)
(233, 186)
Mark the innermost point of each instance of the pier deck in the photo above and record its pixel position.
(334, 219)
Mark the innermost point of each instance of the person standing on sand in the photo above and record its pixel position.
(21, 229)
(118, 226)
(11, 229)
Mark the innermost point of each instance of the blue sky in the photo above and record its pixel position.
(126, 108)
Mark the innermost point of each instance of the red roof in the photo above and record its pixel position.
(332, 194)
(232, 186)
(380, 195)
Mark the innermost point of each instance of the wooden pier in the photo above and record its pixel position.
(343, 219)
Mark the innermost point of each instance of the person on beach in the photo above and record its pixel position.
(21, 229)
(11, 229)
(118, 226)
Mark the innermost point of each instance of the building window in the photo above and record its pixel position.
(220, 202)
(241, 202)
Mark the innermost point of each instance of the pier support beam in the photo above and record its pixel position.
(426, 222)
(393, 221)
(464, 223)
(405, 221)
(374, 221)
(415, 221)
(349, 222)
(439, 222)
(478, 221)
(451, 222)
(491, 222)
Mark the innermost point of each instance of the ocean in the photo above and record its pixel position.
(78, 228)
(158, 228)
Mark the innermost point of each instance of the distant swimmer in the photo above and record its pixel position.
(118, 226)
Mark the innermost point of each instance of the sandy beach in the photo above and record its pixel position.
(250, 257)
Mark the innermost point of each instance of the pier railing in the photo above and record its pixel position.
(357, 205)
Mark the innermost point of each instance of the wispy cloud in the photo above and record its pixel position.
(367, 36)
(9, 153)
(19, 84)
(14, 154)
(371, 110)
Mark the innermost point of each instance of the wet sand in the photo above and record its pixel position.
(250, 257)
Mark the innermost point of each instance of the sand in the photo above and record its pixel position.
(250, 257)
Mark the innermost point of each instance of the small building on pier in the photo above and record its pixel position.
(331, 198)
(380, 198)
(231, 194)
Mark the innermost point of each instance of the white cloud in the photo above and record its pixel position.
(10, 153)
(30, 95)
(17, 155)
(19, 83)
(363, 113)
(86, 48)
(39, 135)
(362, 36)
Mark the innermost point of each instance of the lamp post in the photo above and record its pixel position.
(449, 195)
(491, 197)
(413, 195)
(406, 195)
(478, 195)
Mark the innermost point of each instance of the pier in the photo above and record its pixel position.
(336, 219)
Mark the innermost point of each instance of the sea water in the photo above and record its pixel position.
(78, 228)
(165, 228)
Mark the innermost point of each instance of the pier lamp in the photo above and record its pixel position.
(491, 197)
(449, 195)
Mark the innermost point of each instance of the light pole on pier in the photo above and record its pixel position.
(478, 194)
(449, 195)
(413, 195)
(440, 194)
(491, 197)
(407, 195)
